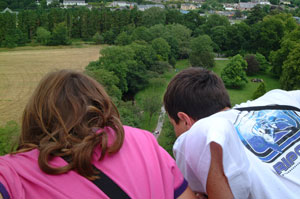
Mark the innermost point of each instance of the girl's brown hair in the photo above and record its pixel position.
(60, 120)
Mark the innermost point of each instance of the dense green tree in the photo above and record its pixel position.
(42, 18)
(141, 33)
(260, 91)
(238, 39)
(234, 74)
(174, 16)
(3, 5)
(213, 21)
(157, 31)
(9, 41)
(19, 5)
(152, 16)
(43, 4)
(219, 37)
(109, 37)
(178, 37)
(162, 49)
(144, 54)
(27, 22)
(288, 43)
(272, 30)
(117, 59)
(43, 36)
(20, 37)
(252, 65)
(290, 78)
(202, 52)
(107, 79)
(55, 16)
(263, 63)
(7, 27)
(136, 78)
(59, 35)
(192, 20)
(152, 105)
(123, 39)
(256, 14)
(98, 39)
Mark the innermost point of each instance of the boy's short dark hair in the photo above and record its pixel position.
(197, 92)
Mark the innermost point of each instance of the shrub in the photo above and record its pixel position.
(98, 39)
(234, 75)
(260, 91)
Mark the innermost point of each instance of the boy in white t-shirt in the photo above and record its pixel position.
(230, 153)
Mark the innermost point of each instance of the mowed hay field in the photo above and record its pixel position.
(22, 69)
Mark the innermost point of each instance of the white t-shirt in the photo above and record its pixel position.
(261, 162)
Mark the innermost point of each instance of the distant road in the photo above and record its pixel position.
(221, 58)
(160, 122)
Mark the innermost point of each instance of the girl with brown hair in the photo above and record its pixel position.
(72, 139)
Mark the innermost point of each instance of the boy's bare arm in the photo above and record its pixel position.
(217, 184)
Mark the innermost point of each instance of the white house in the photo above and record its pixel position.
(188, 6)
(145, 7)
(246, 5)
(264, 3)
(74, 3)
(122, 4)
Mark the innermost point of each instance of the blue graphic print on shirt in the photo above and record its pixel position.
(268, 133)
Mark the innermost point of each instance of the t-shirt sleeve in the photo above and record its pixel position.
(10, 186)
(235, 164)
(197, 156)
(296, 95)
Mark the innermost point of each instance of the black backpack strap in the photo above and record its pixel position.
(268, 107)
(105, 184)
(108, 186)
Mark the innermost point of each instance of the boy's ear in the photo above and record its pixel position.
(186, 119)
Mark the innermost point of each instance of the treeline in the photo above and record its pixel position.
(33, 4)
(270, 32)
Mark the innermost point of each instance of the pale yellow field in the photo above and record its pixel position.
(21, 70)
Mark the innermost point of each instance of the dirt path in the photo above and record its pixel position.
(160, 122)
(20, 72)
